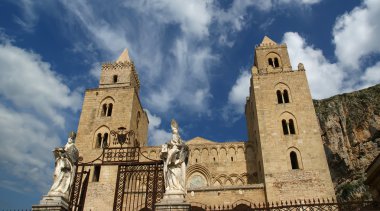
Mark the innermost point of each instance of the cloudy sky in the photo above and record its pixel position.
(193, 59)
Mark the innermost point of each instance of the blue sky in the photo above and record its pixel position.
(193, 59)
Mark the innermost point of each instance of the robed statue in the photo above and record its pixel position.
(175, 153)
(65, 159)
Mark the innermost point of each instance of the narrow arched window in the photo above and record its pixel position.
(104, 109)
(232, 159)
(285, 127)
(138, 119)
(291, 127)
(109, 111)
(286, 96)
(115, 79)
(279, 97)
(294, 160)
(270, 62)
(214, 159)
(196, 160)
(96, 176)
(105, 140)
(276, 64)
(98, 142)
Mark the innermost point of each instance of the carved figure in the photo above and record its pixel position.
(175, 155)
(65, 159)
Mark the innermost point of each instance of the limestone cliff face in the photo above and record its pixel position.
(350, 128)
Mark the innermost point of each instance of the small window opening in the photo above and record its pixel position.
(115, 79)
(279, 97)
(270, 62)
(104, 110)
(109, 111)
(98, 140)
(232, 159)
(291, 127)
(138, 120)
(286, 96)
(196, 160)
(285, 127)
(294, 160)
(96, 176)
(105, 140)
(276, 64)
(214, 159)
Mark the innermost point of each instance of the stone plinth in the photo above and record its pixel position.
(162, 206)
(173, 200)
(52, 203)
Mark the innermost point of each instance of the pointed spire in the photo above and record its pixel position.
(124, 57)
(268, 41)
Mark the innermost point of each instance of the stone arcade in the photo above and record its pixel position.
(283, 158)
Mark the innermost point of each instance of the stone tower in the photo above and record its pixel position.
(283, 128)
(114, 104)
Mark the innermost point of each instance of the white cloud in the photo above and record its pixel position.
(33, 109)
(157, 136)
(29, 83)
(237, 97)
(356, 34)
(325, 78)
(181, 60)
(29, 17)
(371, 76)
(237, 15)
(26, 141)
(193, 16)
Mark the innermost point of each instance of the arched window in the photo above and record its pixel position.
(276, 64)
(105, 140)
(270, 62)
(115, 79)
(104, 110)
(285, 127)
(279, 97)
(214, 159)
(286, 96)
(291, 127)
(196, 160)
(98, 142)
(232, 159)
(96, 176)
(138, 119)
(109, 111)
(294, 160)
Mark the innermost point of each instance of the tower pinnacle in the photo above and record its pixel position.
(268, 41)
(124, 57)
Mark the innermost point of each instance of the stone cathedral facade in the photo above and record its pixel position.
(283, 158)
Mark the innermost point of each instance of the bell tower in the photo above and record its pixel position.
(283, 127)
(114, 104)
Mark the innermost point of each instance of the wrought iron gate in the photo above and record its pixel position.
(139, 186)
(79, 189)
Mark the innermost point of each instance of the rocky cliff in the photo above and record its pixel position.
(350, 128)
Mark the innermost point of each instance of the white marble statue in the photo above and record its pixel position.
(65, 159)
(175, 154)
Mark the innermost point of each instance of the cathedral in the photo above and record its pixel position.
(283, 158)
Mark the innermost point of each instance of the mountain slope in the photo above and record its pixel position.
(350, 128)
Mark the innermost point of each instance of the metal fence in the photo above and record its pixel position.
(297, 205)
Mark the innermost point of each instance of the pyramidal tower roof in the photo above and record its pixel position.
(267, 41)
(124, 57)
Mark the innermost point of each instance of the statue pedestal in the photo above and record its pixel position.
(52, 203)
(174, 201)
